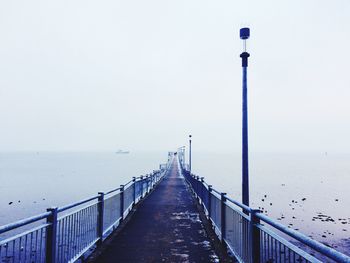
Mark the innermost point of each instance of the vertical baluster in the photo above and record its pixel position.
(289, 256)
(6, 250)
(79, 230)
(41, 244)
(61, 240)
(63, 230)
(75, 226)
(69, 233)
(13, 250)
(276, 249)
(83, 232)
(65, 234)
(90, 216)
(65, 239)
(36, 245)
(70, 236)
(31, 247)
(19, 253)
(67, 219)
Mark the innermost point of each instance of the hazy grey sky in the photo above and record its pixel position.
(142, 75)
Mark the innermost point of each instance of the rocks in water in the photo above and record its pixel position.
(303, 199)
(10, 203)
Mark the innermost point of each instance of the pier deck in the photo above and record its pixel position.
(166, 227)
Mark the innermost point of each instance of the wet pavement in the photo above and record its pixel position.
(166, 227)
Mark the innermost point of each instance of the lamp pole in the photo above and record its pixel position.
(190, 153)
(182, 156)
(244, 35)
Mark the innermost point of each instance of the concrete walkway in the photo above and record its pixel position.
(165, 228)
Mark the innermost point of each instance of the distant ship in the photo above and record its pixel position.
(122, 152)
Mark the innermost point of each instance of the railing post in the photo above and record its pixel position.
(147, 183)
(194, 183)
(100, 217)
(202, 187)
(210, 189)
(141, 180)
(198, 187)
(254, 236)
(121, 202)
(134, 185)
(51, 235)
(223, 217)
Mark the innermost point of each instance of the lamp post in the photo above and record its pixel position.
(182, 158)
(244, 35)
(190, 153)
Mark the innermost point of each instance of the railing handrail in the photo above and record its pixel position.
(113, 190)
(316, 245)
(319, 247)
(69, 206)
(85, 224)
(23, 222)
(244, 207)
(32, 219)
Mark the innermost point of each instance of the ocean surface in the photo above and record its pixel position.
(307, 192)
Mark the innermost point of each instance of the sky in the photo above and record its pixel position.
(143, 75)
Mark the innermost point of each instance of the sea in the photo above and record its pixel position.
(308, 192)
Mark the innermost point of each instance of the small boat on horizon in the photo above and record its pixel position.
(122, 152)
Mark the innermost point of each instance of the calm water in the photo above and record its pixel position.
(36, 181)
(308, 192)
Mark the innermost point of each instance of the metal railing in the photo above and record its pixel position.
(253, 237)
(67, 233)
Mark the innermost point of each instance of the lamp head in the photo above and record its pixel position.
(244, 33)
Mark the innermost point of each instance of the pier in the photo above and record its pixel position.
(165, 228)
(169, 215)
